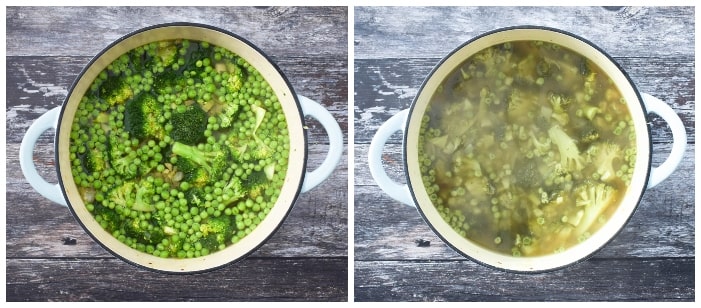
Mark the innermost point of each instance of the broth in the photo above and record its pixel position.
(526, 148)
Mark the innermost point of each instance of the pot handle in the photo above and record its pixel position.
(333, 131)
(656, 106)
(399, 192)
(26, 156)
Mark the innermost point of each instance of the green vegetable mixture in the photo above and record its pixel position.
(527, 148)
(179, 148)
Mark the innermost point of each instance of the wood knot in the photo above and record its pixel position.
(422, 243)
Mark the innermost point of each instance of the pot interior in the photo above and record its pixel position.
(297, 147)
(514, 262)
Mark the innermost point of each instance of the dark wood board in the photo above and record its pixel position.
(48, 255)
(651, 259)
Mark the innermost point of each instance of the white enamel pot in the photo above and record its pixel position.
(644, 176)
(297, 179)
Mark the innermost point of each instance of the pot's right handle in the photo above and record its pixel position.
(333, 131)
(399, 192)
(45, 122)
(656, 106)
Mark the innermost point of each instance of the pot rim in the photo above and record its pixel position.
(641, 136)
(297, 177)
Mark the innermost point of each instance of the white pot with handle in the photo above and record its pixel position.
(297, 180)
(413, 193)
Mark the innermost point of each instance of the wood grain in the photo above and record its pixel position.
(625, 280)
(107, 279)
(50, 257)
(432, 32)
(651, 259)
(84, 31)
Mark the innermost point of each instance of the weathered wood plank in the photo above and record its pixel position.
(384, 87)
(663, 225)
(305, 260)
(593, 280)
(84, 31)
(317, 225)
(253, 279)
(37, 84)
(651, 259)
(425, 32)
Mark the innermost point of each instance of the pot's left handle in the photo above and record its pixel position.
(333, 131)
(26, 156)
(397, 191)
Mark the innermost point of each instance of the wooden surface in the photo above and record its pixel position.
(652, 259)
(305, 260)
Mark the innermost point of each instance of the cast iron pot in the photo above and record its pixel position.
(297, 180)
(414, 192)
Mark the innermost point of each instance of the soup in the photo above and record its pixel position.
(526, 148)
(179, 148)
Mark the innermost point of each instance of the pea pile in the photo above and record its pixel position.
(179, 148)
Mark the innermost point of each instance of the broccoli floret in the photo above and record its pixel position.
(256, 183)
(218, 225)
(195, 196)
(588, 112)
(227, 114)
(561, 117)
(167, 53)
(147, 232)
(198, 177)
(141, 117)
(254, 146)
(557, 177)
(260, 150)
(238, 147)
(594, 197)
(560, 103)
(175, 243)
(212, 157)
(603, 155)
(96, 160)
(567, 147)
(541, 146)
(520, 105)
(125, 166)
(143, 202)
(106, 217)
(589, 135)
(189, 124)
(121, 196)
(122, 155)
(115, 90)
(233, 191)
(237, 76)
(167, 81)
(216, 232)
(589, 84)
(193, 174)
